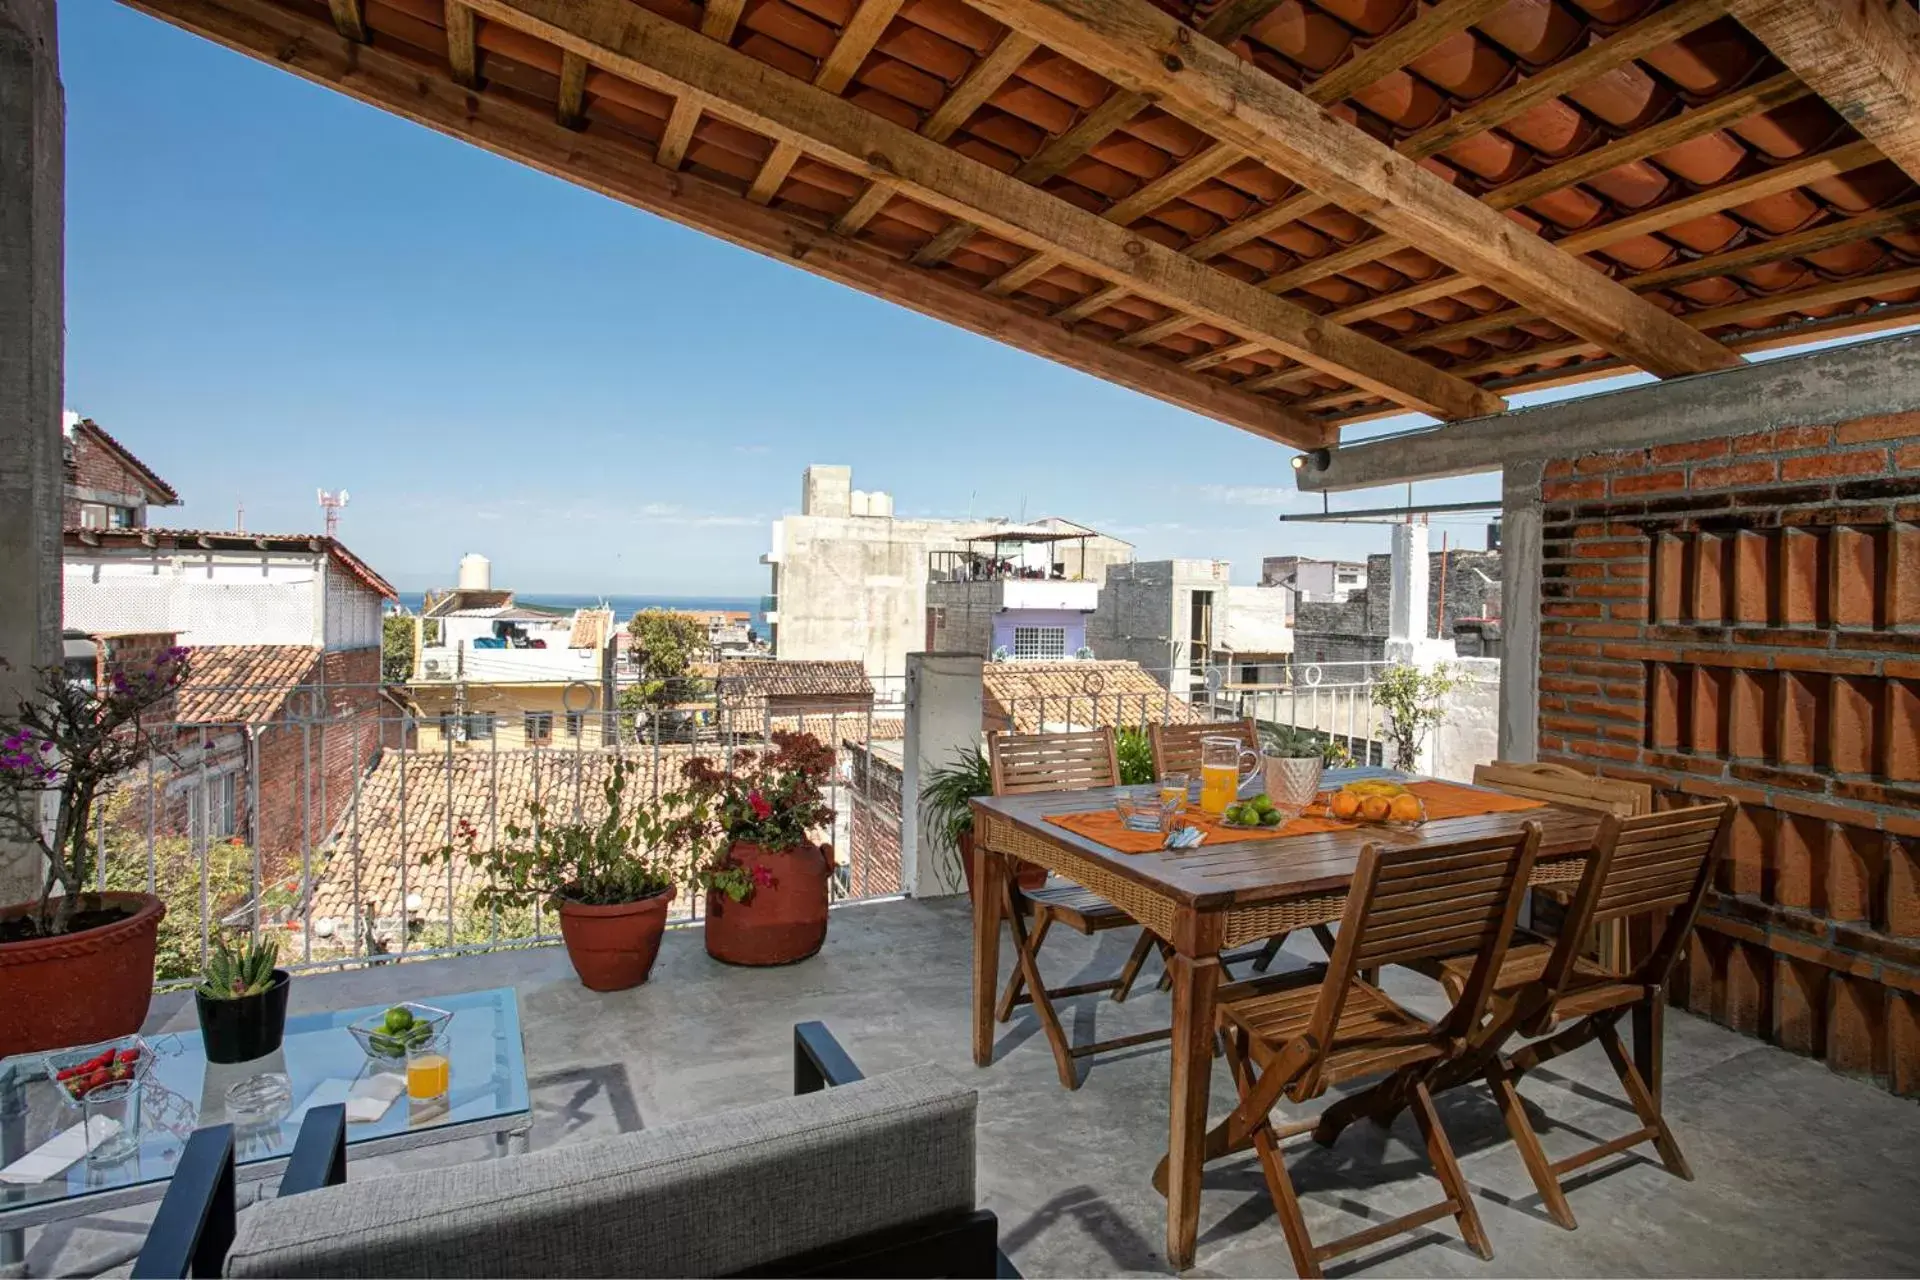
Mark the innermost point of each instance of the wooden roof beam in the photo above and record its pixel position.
(635, 43)
(857, 38)
(308, 46)
(573, 90)
(1862, 56)
(463, 46)
(349, 19)
(1209, 86)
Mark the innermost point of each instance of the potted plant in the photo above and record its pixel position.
(750, 830)
(77, 966)
(243, 999)
(611, 881)
(946, 813)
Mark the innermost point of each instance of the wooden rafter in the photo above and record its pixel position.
(348, 19)
(463, 46)
(573, 89)
(717, 22)
(308, 46)
(857, 38)
(651, 50)
(1862, 56)
(1088, 132)
(1381, 58)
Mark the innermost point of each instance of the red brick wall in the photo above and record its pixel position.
(1741, 617)
(94, 467)
(328, 732)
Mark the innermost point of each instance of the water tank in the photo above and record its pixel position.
(880, 504)
(476, 572)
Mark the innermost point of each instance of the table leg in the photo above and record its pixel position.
(13, 1145)
(515, 1142)
(989, 870)
(1195, 981)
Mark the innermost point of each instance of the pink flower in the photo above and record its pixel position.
(758, 803)
(763, 876)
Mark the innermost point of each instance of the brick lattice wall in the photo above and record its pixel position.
(1741, 617)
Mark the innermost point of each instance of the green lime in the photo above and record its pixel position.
(1271, 818)
(398, 1019)
(385, 1045)
(1262, 803)
(418, 1033)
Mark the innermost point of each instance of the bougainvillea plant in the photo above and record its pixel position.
(71, 740)
(770, 797)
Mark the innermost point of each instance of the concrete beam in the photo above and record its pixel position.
(1869, 378)
(32, 255)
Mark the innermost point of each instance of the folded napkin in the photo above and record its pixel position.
(370, 1097)
(54, 1155)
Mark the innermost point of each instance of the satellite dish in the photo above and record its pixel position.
(343, 497)
(1215, 678)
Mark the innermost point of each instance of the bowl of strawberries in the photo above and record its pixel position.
(80, 1072)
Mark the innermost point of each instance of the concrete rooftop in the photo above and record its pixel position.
(1800, 1171)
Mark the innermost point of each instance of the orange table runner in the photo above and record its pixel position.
(1442, 800)
(1103, 826)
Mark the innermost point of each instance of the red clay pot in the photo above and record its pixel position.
(82, 987)
(613, 947)
(1025, 874)
(780, 922)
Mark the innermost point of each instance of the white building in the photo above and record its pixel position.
(210, 587)
(849, 578)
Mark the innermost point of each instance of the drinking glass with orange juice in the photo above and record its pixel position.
(1221, 773)
(1173, 792)
(429, 1074)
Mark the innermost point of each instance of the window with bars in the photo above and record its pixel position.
(539, 725)
(1039, 642)
(576, 723)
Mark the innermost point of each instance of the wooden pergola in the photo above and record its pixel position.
(1287, 215)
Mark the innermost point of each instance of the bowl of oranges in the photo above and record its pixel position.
(1381, 803)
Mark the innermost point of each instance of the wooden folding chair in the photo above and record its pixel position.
(1658, 862)
(1292, 1035)
(1024, 763)
(1565, 785)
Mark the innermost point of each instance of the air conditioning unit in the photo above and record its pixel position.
(434, 668)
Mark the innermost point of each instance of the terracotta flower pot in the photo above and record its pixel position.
(79, 988)
(782, 920)
(613, 947)
(1025, 874)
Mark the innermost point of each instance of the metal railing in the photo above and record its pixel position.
(321, 821)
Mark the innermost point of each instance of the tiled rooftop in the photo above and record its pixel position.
(1799, 1171)
(241, 683)
(1023, 695)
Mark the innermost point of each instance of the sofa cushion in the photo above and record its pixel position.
(710, 1196)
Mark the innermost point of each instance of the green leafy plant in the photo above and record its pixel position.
(944, 809)
(771, 798)
(624, 857)
(396, 647)
(1291, 740)
(1411, 699)
(234, 972)
(1136, 757)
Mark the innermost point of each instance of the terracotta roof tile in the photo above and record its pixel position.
(241, 683)
(159, 492)
(756, 678)
(1026, 696)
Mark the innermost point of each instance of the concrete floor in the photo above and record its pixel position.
(1799, 1171)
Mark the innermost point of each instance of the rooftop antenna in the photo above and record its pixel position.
(240, 517)
(331, 503)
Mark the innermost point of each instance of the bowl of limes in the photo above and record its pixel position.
(1257, 812)
(387, 1036)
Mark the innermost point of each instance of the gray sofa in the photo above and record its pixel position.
(875, 1176)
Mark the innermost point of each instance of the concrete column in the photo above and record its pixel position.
(943, 717)
(1520, 556)
(32, 207)
(1407, 602)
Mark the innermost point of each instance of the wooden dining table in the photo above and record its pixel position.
(1207, 900)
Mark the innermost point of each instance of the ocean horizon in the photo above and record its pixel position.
(623, 606)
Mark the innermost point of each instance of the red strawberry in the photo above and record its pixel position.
(120, 1071)
(95, 1080)
(128, 1056)
(66, 1073)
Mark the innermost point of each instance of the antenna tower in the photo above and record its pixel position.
(331, 503)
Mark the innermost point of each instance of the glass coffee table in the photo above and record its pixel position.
(184, 1092)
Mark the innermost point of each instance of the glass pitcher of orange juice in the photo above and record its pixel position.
(1221, 773)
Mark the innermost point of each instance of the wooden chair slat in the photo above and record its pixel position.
(1176, 747)
(1565, 785)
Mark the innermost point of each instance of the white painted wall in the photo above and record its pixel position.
(219, 597)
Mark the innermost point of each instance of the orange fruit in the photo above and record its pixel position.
(1375, 808)
(1406, 809)
(1344, 804)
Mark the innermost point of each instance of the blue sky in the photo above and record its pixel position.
(273, 289)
